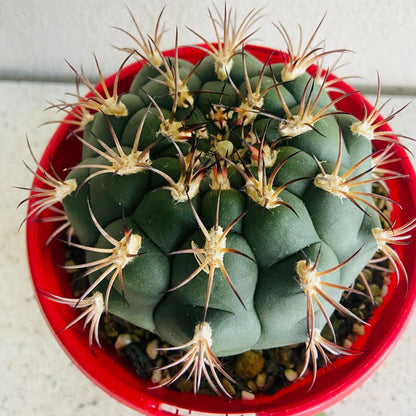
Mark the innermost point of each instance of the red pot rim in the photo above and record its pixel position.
(115, 377)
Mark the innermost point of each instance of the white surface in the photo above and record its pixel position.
(37, 378)
(36, 36)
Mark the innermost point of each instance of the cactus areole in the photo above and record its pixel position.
(223, 197)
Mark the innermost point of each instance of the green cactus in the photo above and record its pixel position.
(224, 205)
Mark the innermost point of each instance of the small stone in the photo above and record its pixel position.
(290, 374)
(122, 341)
(286, 357)
(156, 376)
(358, 329)
(139, 359)
(246, 395)
(249, 364)
(261, 380)
(375, 290)
(229, 388)
(152, 349)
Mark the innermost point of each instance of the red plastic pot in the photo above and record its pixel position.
(115, 376)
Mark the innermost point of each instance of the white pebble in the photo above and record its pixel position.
(358, 329)
(152, 349)
(290, 374)
(122, 341)
(261, 380)
(156, 376)
(246, 395)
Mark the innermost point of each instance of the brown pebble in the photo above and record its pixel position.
(249, 364)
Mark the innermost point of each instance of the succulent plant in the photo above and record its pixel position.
(226, 204)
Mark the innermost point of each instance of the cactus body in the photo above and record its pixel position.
(266, 242)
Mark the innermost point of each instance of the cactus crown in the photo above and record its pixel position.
(210, 198)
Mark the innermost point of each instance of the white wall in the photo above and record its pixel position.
(36, 36)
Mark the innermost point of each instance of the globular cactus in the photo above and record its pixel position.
(224, 205)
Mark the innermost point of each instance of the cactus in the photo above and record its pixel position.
(224, 205)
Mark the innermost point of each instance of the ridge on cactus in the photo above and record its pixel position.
(224, 205)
